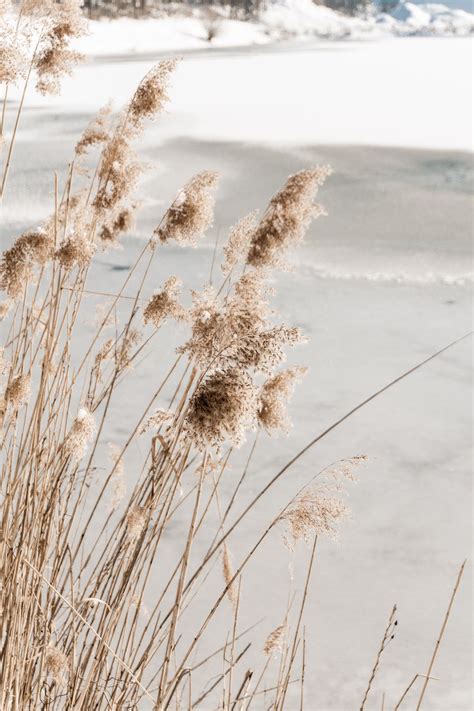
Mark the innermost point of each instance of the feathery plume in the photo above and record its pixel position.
(151, 95)
(221, 336)
(119, 168)
(35, 8)
(56, 664)
(238, 333)
(314, 512)
(319, 509)
(18, 391)
(76, 249)
(192, 211)
(5, 307)
(239, 242)
(122, 222)
(123, 354)
(274, 641)
(80, 435)
(156, 420)
(275, 393)
(287, 218)
(222, 408)
(12, 59)
(54, 58)
(104, 352)
(96, 132)
(34, 247)
(117, 483)
(135, 520)
(343, 470)
(164, 304)
(228, 573)
(266, 351)
(118, 173)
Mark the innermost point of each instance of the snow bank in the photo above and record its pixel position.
(281, 19)
(303, 17)
(428, 19)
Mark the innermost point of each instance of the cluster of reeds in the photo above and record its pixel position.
(93, 613)
(87, 621)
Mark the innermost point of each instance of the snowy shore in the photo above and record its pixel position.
(281, 20)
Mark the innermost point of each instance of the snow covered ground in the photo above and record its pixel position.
(409, 92)
(281, 19)
(382, 283)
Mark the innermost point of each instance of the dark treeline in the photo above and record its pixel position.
(235, 8)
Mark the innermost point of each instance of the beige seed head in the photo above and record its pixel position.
(287, 218)
(136, 520)
(32, 248)
(104, 352)
(151, 95)
(159, 418)
(274, 641)
(80, 435)
(76, 250)
(192, 211)
(18, 391)
(238, 243)
(343, 470)
(118, 173)
(121, 223)
(164, 304)
(12, 59)
(228, 573)
(5, 307)
(222, 408)
(118, 486)
(56, 664)
(314, 512)
(124, 351)
(275, 393)
(54, 58)
(96, 133)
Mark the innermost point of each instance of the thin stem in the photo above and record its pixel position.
(440, 636)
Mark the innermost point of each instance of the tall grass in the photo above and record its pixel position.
(102, 570)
